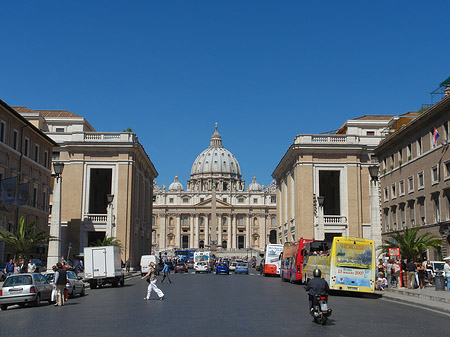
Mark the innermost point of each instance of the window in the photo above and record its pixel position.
(36, 153)
(170, 200)
(370, 133)
(434, 175)
(225, 199)
(185, 200)
(273, 199)
(44, 200)
(394, 217)
(46, 159)
(419, 146)
(185, 220)
(411, 213)
(2, 131)
(59, 129)
(402, 214)
(420, 180)
(410, 184)
(400, 157)
(273, 222)
(202, 199)
(241, 200)
(393, 192)
(386, 194)
(26, 147)
(421, 204)
(255, 200)
(437, 212)
(401, 187)
(240, 220)
(392, 162)
(386, 220)
(15, 140)
(409, 151)
(35, 194)
(384, 165)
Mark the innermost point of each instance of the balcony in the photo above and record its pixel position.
(96, 218)
(335, 220)
(89, 137)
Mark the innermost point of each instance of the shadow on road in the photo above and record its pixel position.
(354, 295)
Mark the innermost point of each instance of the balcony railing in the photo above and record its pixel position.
(335, 219)
(96, 218)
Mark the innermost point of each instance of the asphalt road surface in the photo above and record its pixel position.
(219, 305)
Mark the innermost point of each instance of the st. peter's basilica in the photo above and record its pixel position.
(246, 215)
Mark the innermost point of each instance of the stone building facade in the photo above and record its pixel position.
(415, 177)
(182, 219)
(324, 186)
(25, 159)
(98, 164)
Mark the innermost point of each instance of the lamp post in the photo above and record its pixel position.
(320, 202)
(375, 223)
(109, 225)
(54, 245)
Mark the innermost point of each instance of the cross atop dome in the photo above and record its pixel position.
(216, 139)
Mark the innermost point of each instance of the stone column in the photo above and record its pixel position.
(54, 246)
(219, 223)
(191, 232)
(234, 239)
(162, 225)
(263, 241)
(247, 231)
(178, 233)
(197, 231)
(230, 221)
(206, 229)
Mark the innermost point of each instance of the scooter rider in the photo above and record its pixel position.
(316, 286)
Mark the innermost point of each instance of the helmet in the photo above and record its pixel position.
(317, 273)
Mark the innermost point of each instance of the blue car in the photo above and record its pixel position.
(222, 268)
(241, 268)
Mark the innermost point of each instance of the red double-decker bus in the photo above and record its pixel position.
(292, 261)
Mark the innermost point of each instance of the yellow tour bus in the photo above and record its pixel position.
(348, 264)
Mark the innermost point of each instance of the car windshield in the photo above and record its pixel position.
(222, 264)
(19, 280)
(241, 265)
(180, 264)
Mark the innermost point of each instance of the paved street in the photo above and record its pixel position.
(219, 305)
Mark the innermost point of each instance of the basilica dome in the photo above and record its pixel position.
(216, 161)
(176, 185)
(254, 186)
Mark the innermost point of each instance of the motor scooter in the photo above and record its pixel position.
(320, 311)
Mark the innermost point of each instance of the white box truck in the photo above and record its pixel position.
(103, 265)
(145, 263)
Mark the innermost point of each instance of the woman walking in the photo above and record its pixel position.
(151, 275)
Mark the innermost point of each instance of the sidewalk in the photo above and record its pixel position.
(427, 298)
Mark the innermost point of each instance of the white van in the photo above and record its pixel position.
(145, 263)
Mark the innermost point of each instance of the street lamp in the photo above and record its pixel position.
(321, 200)
(373, 171)
(109, 227)
(54, 245)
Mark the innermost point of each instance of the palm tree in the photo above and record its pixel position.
(25, 239)
(411, 246)
(112, 241)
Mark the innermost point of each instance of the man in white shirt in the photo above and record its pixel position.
(31, 268)
(447, 273)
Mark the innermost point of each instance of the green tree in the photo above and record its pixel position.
(128, 130)
(411, 245)
(24, 239)
(112, 241)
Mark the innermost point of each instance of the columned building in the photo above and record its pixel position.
(107, 183)
(245, 214)
(324, 185)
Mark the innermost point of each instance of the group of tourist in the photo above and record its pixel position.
(406, 273)
(19, 267)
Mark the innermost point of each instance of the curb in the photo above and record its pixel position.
(420, 295)
(421, 305)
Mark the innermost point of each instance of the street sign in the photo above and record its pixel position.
(394, 251)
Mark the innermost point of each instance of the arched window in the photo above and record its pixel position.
(224, 244)
(201, 244)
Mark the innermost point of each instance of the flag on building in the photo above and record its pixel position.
(23, 192)
(435, 136)
(9, 187)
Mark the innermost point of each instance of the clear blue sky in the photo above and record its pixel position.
(264, 70)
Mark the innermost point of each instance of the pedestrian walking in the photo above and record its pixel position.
(9, 268)
(60, 282)
(421, 275)
(411, 267)
(166, 272)
(127, 265)
(151, 278)
(447, 273)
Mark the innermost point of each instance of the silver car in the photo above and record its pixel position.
(31, 288)
(74, 286)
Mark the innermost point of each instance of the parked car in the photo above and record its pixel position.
(222, 268)
(233, 266)
(241, 268)
(28, 288)
(202, 267)
(181, 267)
(74, 286)
(190, 264)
